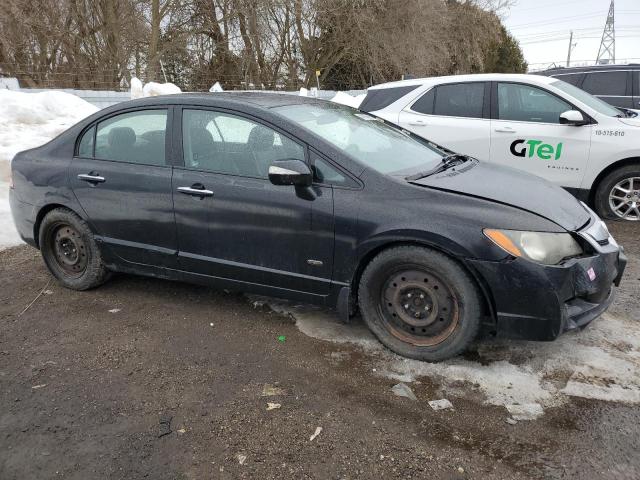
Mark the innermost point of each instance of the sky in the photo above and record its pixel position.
(542, 28)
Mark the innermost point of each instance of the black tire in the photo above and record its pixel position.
(420, 303)
(606, 208)
(70, 251)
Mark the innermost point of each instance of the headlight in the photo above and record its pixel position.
(540, 247)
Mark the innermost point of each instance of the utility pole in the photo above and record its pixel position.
(607, 50)
(571, 45)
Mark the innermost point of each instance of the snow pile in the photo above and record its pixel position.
(346, 99)
(136, 88)
(216, 87)
(29, 120)
(601, 362)
(152, 89)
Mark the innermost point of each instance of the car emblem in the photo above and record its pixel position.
(592, 274)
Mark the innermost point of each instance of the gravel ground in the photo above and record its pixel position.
(144, 378)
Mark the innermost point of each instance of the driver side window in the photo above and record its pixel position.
(230, 144)
(524, 103)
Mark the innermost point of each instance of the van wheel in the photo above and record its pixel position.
(420, 303)
(70, 251)
(618, 195)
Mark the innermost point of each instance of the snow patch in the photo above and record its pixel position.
(153, 89)
(601, 362)
(346, 99)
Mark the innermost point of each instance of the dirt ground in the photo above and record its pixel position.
(144, 378)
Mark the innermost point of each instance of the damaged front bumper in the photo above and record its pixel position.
(540, 302)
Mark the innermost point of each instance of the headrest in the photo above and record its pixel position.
(261, 137)
(200, 137)
(121, 137)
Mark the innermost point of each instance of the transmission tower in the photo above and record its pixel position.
(607, 50)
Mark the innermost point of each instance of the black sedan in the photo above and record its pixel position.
(307, 200)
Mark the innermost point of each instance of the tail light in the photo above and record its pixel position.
(11, 180)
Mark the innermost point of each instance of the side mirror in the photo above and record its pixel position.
(290, 172)
(572, 117)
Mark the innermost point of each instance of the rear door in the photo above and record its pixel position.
(122, 179)
(455, 116)
(612, 86)
(232, 222)
(526, 133)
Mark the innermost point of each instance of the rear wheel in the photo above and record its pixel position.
(70, 251)
(420, 303)
(618, 195)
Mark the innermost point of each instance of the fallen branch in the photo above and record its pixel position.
(34, 300)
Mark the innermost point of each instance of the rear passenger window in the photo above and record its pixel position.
(459, 100)
(135, 137)
(606, 83)
(223, 143)
(425, 103)
(85, 148)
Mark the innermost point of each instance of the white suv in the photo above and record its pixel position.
(539, 124)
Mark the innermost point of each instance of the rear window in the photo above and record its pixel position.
(459, 100)
(133, 137)
(383, 97)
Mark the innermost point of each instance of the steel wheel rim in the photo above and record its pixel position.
(624, 199)
(417, 307)
(69, 250)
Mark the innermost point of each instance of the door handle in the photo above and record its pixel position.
(418, 123)
(505, 130)
(91, 178)
(196, 190)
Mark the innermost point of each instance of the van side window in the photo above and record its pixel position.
(525, 103)
(573, 78)
(459, 100)
(135, 137)
(425, 103)
(606, 83)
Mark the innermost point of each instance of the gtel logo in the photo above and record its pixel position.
(519, 148)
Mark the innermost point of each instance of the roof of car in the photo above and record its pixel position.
(259, 99)
(479, 77)
(591, 68)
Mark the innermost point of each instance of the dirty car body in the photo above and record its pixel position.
(151, 179)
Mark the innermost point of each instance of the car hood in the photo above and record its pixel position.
(632, 121)
(511, 187)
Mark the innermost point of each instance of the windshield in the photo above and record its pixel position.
(589, 100)
(364, 137)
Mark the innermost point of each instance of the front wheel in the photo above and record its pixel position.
(420, 303)
(618, 195)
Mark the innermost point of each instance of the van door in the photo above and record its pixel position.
(526, 133)
(455, 116)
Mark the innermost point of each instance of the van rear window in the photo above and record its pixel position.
(383, 97)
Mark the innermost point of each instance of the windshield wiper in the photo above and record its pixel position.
(446, 162)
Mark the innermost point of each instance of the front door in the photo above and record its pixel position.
(233, 223)
(526, 133)
(122, 180)
(455, 116)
